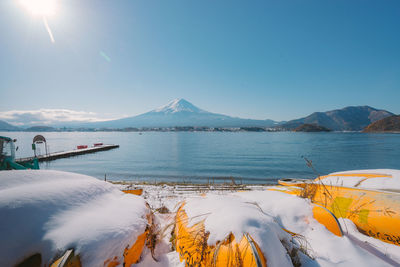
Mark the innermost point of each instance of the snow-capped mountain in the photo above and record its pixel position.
(180, 112)
(179, 105)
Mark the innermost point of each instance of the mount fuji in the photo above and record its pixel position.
(180, 112)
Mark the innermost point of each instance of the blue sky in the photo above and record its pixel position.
(255, 59)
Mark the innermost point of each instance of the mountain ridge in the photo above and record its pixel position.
(351, 118)
(5, 126)
(181, 113)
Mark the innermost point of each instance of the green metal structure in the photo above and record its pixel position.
(7, 156)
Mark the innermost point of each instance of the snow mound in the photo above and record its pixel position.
(48, 212)
(390, 179)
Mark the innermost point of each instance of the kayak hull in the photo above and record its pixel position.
(191, 244)
(376, 213)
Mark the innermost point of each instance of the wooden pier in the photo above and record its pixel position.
(67, 154)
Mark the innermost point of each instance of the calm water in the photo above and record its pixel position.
(196, 157)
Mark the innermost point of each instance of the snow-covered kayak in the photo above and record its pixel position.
(51, 215)
(369, 198)
(375, 179)
(191, 243)
(226, 231)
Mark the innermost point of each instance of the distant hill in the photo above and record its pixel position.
(311, 128)
(180, 112)
(388, 124)
(4, 126)
(40, 129)
(346, 119)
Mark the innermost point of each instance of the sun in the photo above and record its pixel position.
(40, 7)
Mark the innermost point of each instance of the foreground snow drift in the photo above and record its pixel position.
(48, 212)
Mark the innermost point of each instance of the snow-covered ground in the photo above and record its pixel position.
(49, 211)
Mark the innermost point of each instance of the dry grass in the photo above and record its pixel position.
(163, 210)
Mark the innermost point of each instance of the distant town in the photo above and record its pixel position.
(156, 129)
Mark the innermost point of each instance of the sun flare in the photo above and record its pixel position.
(40, 7)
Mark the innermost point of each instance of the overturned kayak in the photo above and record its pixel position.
(366, 199)
(137, 191)
(191, 244)
(380, 179)
(227, 231)
(375, 213)
(52, 218)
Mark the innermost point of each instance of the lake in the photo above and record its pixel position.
(215, 156)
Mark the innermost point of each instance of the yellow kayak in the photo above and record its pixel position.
(131, 254)
(376, 213)
(191, 244)
(137, 191)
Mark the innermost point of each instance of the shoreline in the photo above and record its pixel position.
(196, 187)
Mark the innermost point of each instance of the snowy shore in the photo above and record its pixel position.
(47, 212)
(323, 247)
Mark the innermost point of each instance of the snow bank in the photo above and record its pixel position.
(48, 212)
(391, 181)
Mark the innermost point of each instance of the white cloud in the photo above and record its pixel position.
(49, 116)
